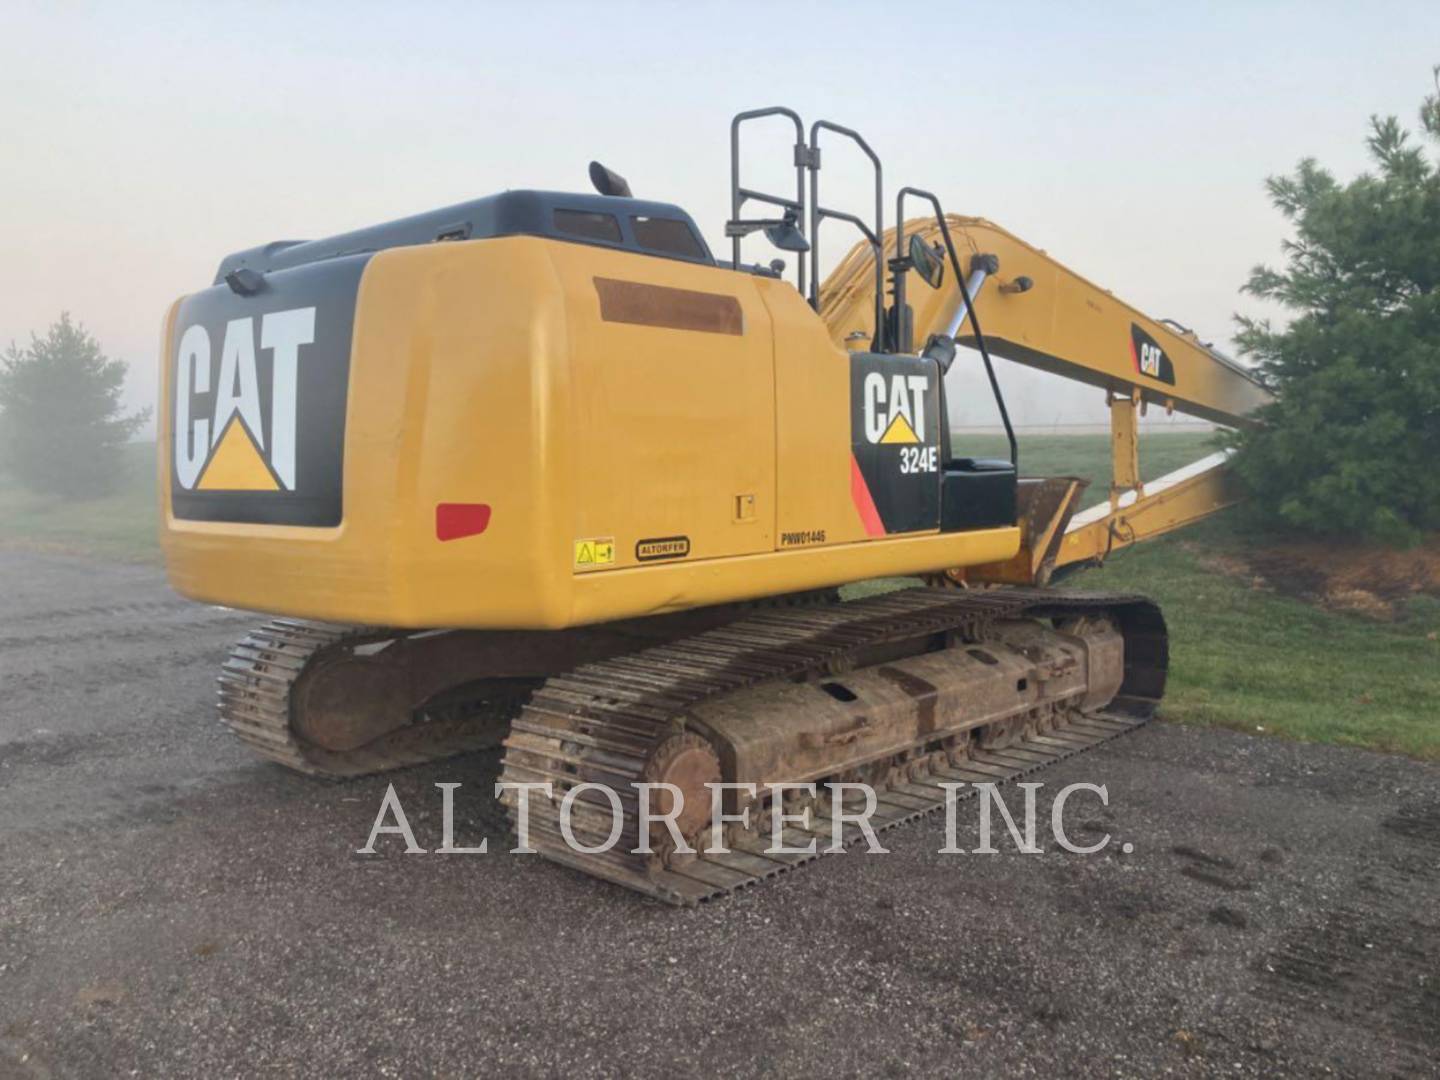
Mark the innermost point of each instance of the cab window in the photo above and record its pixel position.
(588, 225)
(666, 236)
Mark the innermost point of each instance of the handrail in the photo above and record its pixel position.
(901, 266)
(816, 212)
(739, 195)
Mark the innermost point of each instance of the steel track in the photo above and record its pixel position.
(255, 696)
(601, 722)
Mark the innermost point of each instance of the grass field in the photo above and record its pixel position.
(119, 526)
(1253, 659)
(1088, 456)
(1242, 657)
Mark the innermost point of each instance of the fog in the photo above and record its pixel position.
(146, 141)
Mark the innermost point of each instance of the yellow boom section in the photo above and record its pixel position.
(1036, 311)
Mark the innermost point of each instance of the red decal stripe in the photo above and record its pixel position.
(454, 520)
(860, 495)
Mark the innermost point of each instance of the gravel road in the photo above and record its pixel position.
(170, 907)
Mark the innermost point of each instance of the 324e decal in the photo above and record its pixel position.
(895, 442)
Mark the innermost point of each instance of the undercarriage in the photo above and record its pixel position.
(903, 692)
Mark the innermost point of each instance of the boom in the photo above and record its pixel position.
(1035, 311)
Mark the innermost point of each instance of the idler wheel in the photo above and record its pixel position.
(688, 762)
(349, 702)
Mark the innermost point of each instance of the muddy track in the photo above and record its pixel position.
(1372, 960)
(603, 722)
(154, 632)
(102, 611)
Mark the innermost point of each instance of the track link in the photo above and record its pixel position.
(257, 695)
(418, 695)
(603, 721)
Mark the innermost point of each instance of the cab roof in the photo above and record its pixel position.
(639, 225)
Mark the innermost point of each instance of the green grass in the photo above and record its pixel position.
(1088, 456)
(1252, 659)
(1241, 657)
(118, 526)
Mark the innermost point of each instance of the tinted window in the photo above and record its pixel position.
(587, 225)
(666, 236)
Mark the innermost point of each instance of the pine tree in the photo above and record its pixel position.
(60, 416)
(1351, 446)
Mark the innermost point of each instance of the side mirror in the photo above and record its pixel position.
(926, 261)
(786, 235)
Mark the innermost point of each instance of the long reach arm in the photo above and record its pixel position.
(1035, 311)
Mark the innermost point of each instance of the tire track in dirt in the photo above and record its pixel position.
(148, 630)
(136, 607)
(1372, 961)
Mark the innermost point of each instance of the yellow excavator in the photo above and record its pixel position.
(539, 469)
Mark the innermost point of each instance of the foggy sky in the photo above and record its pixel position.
(144, 141)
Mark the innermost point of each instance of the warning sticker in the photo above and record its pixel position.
(594, 552)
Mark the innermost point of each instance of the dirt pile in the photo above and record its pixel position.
(1365, 579)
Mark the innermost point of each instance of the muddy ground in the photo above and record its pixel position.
(170, 907)
(1365, 579)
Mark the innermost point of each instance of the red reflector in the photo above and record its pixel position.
(454, 520)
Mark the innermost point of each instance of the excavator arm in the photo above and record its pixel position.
(1035, 311)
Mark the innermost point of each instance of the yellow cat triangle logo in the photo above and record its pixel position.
(236, 464)
(899, 431)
